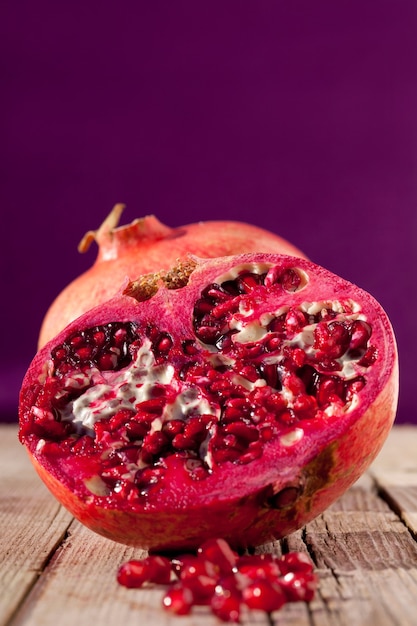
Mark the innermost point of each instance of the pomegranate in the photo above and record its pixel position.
(234, 397)
(147, 245)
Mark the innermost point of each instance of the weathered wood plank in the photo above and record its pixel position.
(395, 472)
(53, 571)
(367, 562)
(80, 580)
(32, 524)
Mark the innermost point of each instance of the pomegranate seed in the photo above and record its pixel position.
(137, 429)
(272, 276)
(196, 428)
(369, 357)
(294, 384)
(120, 337)
(296, 562)
(225, 605)
(159, 569)
(247, 282)
(297, 356)
(230, 287)
(133, 574)
(298, 586)
(178, 600)
(353, 387)
(154, 443)
(189, 347)
(202, 307)
(263, 595)
(181, 442)
(305, 406)
(216, 292)
(361, 333)
(294, 320)
(219, 552)
(273, 343)
(290, 280)
(330, 390)
(164, 344)
(254, 451)
(224, 455)
(196, 566)
(207, 334)
(98, 338)
(222, 309)
(269, 372)
(107, 361)
(202, 587)
(259, 566)
(152, 332)
(148, 477)
(242, 430)
(120, 418)
(154, 405)
(196, 469)
(173, 427)
(275, 402)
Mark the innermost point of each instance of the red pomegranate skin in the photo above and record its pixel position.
(304, 467)
(147, 246)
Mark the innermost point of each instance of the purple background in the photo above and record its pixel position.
(300, 117)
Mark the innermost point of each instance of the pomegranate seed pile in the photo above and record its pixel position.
(133, 398)
(217, 577)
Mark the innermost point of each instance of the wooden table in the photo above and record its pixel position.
(54, 572)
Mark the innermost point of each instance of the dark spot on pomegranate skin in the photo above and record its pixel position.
(318, 473)
(285, 498)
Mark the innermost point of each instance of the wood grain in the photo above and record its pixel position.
(53, 571)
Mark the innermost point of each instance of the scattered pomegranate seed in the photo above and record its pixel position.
(216, 577)
(263, 595)
(178, 600)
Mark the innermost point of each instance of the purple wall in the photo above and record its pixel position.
(300, 117)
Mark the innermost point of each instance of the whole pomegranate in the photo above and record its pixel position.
(234, 397)
(147, 245)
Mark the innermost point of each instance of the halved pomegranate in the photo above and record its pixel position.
(234, 397)
(146, 245)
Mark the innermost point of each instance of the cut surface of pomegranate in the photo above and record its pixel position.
(148, 246)
(236, 397)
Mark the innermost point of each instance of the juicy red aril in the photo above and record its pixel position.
(218, 551)
(159, 569)
(295, 562)
(258, 566)
(131, 387)
(263, 595)
(298, 586)
(193, 566)
(153, 569)
(178, 600)
(107, 346)
(202, 588)
(217, 578)
(360, 335)
(226, 605)
(133, 574)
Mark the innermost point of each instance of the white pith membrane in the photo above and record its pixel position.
(102, 394)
